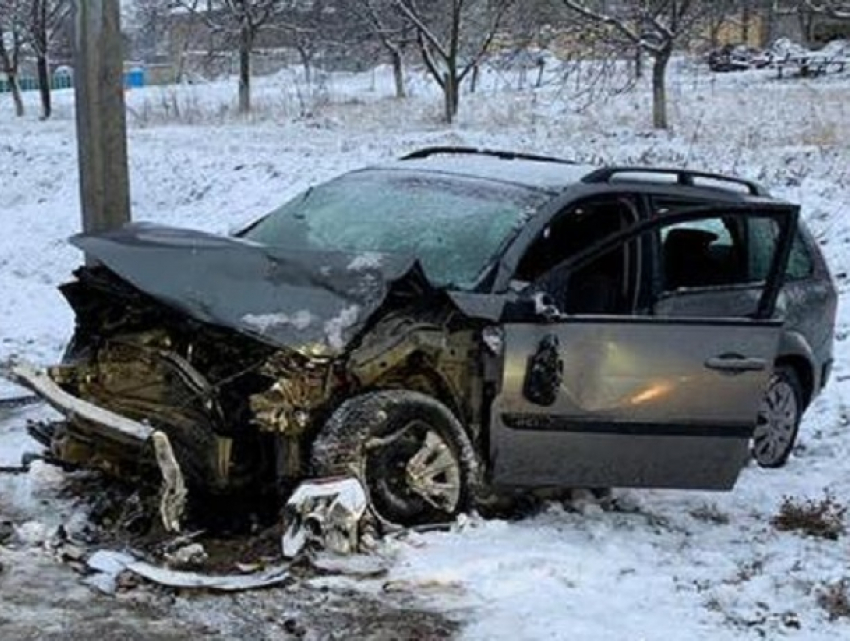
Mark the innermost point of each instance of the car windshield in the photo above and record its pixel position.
(454, 225)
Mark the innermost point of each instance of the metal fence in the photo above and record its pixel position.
(132, 78)
(30, 83)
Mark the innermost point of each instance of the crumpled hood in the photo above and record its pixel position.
(294, 299)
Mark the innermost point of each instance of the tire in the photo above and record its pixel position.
(384, 439)
(779, 418)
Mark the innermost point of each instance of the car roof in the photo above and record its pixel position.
(550, 176)
(555, 175)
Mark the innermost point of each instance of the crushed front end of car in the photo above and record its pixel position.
(209, 364)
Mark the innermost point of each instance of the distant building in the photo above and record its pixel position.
(790, 20)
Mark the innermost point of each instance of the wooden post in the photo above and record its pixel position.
(101, 122)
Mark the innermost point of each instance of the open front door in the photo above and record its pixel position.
(650, 400)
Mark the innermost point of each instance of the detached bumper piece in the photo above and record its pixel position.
(324, 514)
(107, 424)
(112, 427)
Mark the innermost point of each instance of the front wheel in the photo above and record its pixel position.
(412, 455)
(778, 419)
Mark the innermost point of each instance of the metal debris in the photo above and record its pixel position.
(359, 566)
(173, 501)
(324, 514)
(38, 380)
(7, 531)
(188, 556)
(110, 564)
(17, 402)
(14, 469)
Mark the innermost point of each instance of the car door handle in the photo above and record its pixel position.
(735, 363)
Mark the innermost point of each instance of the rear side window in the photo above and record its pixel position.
(754, 244)
(763, 240)
(717, 251)
(800, 263)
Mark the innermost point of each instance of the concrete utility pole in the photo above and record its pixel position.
(101, 122)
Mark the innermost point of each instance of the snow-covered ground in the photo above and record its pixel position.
(668, 565)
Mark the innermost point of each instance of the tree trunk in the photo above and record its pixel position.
(44, 86)
(638, 62)
(451, 92)
(745, 24)
(9, 67)
(806, 20)
(40, 42)
(398, 74)
(246, 44)
(769, 25)
(15, 89)
(659, 90)
(714, 34)
(307, 63)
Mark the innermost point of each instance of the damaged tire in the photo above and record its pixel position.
(411, 453)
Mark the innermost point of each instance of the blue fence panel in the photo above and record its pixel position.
(133, 78)
(28, 83)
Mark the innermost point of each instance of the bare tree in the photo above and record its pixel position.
(150, 21)
(307, 29)
(836, 9)
(45, 19)
(453, 37)
(656, 27)
(242, 20)
(810, 11)
(12, 18)
(391, 28)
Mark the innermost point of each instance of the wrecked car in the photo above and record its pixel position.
(453, 321)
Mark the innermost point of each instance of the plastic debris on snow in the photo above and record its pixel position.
(108, 564)
(324, 514)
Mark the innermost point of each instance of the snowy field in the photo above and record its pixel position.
(665, 565)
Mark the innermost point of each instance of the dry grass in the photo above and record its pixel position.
(834, 598)
(822, 518)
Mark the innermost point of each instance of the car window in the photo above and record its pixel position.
(763, 238)
(694, 263)
(800, 263)
(454, 225)
(604, 286)
(712, 252)
(715, 266)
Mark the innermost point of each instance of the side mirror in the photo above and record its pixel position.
(531, 305)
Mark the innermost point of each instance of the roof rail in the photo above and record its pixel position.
(683, 177)
(495, 153)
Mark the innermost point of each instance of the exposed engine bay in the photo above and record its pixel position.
(239, 413)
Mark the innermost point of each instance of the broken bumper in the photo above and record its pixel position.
(115, 428)
(99, 421)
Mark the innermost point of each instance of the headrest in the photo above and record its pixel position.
(692, 238)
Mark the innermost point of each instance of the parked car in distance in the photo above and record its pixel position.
(738, 58)
(455, 320)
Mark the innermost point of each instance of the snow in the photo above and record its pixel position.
(335, 327)
(365, 261)
(263, 322)
(668, 565)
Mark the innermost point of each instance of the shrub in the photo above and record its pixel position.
(822, 518)
(835, 599)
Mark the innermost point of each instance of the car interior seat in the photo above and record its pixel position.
(688, 261)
